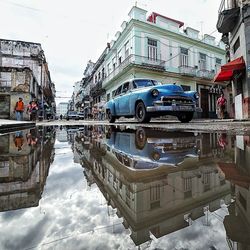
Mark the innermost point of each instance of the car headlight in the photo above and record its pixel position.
(196, 96)
(155, 156)
(154, 92)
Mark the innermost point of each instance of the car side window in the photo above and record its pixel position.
(134, 85)
(143, 83)
(118, 91)
(125, 87)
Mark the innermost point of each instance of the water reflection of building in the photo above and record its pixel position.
(23, 172)
(160, 200)
(61, 135)
(237, 223)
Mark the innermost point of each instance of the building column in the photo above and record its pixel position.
(246, 79)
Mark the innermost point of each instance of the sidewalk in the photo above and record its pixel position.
(12, 125)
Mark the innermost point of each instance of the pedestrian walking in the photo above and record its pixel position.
(32, 110)
(221, 105)
(19, 108)
(32, 138)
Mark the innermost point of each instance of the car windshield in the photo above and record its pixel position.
(72, 113)
(144, 83)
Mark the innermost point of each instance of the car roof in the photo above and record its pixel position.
(132, 79)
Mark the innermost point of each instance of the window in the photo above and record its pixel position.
(119, 57)
(217, 64)
(103, 73)
(236, 44)
(203, 61)
(118, 91)
(152, 49)
(184, 57)
(126, 46)
(155, 196)
(186, 88)
(114, 63)
(143, 83)
(206, 178)
(187, 184)
(125, 87)
(108, 66)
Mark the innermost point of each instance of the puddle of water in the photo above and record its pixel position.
(100, 187)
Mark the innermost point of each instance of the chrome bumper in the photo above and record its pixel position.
(174, 108)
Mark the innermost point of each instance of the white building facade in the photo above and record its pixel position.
(155, 47)
(62, 108)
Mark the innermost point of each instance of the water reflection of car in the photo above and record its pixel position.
(148, 148)
(146, 98)
(72, 115)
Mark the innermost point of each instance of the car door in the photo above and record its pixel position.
(124, 99)
(117, 100)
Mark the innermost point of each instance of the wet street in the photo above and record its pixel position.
(124, 187)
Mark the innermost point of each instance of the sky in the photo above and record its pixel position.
(73, 32)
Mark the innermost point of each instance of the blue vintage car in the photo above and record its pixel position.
(147, 98)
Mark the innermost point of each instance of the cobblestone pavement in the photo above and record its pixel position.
(227, 125)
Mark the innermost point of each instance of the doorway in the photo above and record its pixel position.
(204, 103)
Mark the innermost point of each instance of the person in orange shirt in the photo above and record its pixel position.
(18, 140)
(19, 108)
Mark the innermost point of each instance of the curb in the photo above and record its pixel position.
(5, 128)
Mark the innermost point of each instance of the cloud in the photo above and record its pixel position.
(73, 32)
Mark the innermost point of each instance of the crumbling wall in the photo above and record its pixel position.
(22, 54)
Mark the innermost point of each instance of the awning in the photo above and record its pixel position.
(233, 174)
(227, 70)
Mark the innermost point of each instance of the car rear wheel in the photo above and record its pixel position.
(185, 117)
(141, 114)
(110, 117)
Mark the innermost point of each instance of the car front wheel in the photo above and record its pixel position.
(141, 114)
(110, 117)
(185, 117)
(140, 138)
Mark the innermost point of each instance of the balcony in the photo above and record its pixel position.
(207, 74)
(135, 60)
(97, 89)
(187, 71)
(227, 18)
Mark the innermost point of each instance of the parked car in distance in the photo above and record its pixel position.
(147, 98)
(81, 115)
(72, 115)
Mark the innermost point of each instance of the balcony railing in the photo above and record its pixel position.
(205, 74)
(97, 89)
(186, 70)
(142, 61)
(227, 18)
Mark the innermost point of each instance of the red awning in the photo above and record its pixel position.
(227, 70)
(233, 174)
